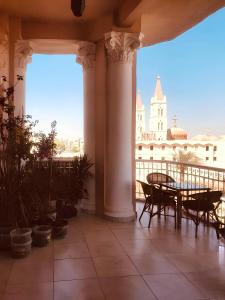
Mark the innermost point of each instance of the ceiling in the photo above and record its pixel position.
(56, 10)
(158, 20)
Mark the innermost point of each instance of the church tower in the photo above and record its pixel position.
(158, 113)
(140, 117)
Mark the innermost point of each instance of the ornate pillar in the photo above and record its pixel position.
(85, 52)
(23, 56)
(4, 54)
(120, 47)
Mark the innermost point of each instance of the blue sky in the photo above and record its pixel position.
(192, 71)
(54, 91)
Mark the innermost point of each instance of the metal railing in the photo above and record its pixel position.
(209, 177)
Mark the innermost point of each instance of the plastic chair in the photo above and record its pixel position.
(155, 197)
(204, 205)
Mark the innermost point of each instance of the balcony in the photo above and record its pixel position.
(100, 259)
(213, 178)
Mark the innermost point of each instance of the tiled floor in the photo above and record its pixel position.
(103, 260)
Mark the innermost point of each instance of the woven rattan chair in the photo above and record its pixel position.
(203, 205)
(154, 178)
(155, 197)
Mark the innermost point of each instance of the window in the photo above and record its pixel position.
(161, 126)
(161, 112)
(151, 147)
(214, 158)
(207, 148)
(151, 157)
(139, 147)
(163, 147)
(215, 148)
(140, 157)
(207, 158)
(185, 147)
(162, 158)
(158, 126)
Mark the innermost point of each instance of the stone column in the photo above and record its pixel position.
(4, 54)
(85, 52)
(120, 47)
(23, 56)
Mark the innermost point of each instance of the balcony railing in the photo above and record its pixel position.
(213, 178)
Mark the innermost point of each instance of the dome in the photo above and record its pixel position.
(176, 133)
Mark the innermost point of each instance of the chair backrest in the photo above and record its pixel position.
(159, 178)
(147, 188)
(211, 196)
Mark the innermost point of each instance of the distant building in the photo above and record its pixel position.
(162, 143)
(140, 117)
(158, 113)
(175, 133)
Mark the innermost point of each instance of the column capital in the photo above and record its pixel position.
(85, 52)
(23, 53)
(122, 45)
(3, 49)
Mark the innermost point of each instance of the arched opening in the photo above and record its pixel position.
(54, 91)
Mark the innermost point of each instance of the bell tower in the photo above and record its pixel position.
(140, 117)
(158, 113)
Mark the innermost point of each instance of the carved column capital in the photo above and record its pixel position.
(3, 49)
(23, 54)
(85, 52)
(122, 45)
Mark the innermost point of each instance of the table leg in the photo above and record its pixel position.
(179, 210)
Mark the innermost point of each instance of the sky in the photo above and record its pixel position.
(191, 68)
(54, 91)
(192, 72)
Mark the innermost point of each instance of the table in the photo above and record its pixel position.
(179, 188)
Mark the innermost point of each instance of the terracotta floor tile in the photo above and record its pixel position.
(188, 263)
(173, 287)
(138, 247)
(120, 252)
(71, 250)
(68, 269)
(129, 234)
(5, 269)
(105, 248)
(172, 245)
(114, 266)
(73, 236)
(85, 289)
(43, 291)
(153, 264)
(26, 273)
(212, 282)
(129, 288)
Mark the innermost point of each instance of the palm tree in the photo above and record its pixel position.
(183, 158)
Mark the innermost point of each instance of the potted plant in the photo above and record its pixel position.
(75, 183)
(41, 186)
(15, 151)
